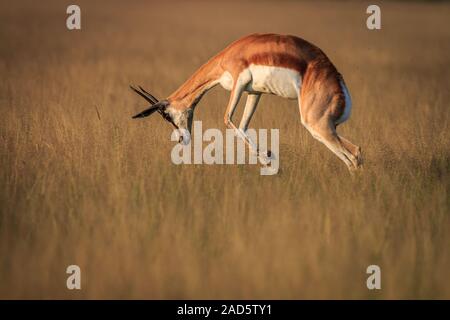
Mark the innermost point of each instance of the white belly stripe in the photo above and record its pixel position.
(280, 81)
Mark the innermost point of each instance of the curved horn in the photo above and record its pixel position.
(144, 94)
(155, 105)
(149, 95)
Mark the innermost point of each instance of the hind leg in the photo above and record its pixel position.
(324, 131)
(354, 149)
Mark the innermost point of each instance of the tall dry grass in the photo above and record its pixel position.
(102, 193)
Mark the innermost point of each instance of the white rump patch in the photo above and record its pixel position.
(348, 104)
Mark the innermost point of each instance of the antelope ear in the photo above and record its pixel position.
(148, 111)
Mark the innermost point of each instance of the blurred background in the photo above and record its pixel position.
(81, 183)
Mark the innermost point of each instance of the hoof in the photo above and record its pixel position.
(265, 157)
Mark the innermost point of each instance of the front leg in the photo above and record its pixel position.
(238, 88)
(249, 110)
(250, 107)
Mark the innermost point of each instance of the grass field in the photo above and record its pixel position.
(100, 191)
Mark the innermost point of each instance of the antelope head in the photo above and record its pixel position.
(181, 120)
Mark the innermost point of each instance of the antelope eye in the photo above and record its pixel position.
(168, 118)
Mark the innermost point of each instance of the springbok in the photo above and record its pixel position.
(283, 65)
